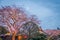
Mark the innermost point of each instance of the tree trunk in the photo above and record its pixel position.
(19, 37)
(13, 36)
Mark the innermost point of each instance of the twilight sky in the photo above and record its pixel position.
(48, 11)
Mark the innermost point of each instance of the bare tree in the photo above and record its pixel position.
(13, 18)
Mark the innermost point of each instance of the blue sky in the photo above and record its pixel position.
(48, 11)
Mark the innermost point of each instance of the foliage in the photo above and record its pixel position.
(39, 37)
(0, 38)
(42, 36)
(3, 30)
(30, 29)
(59, 35)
